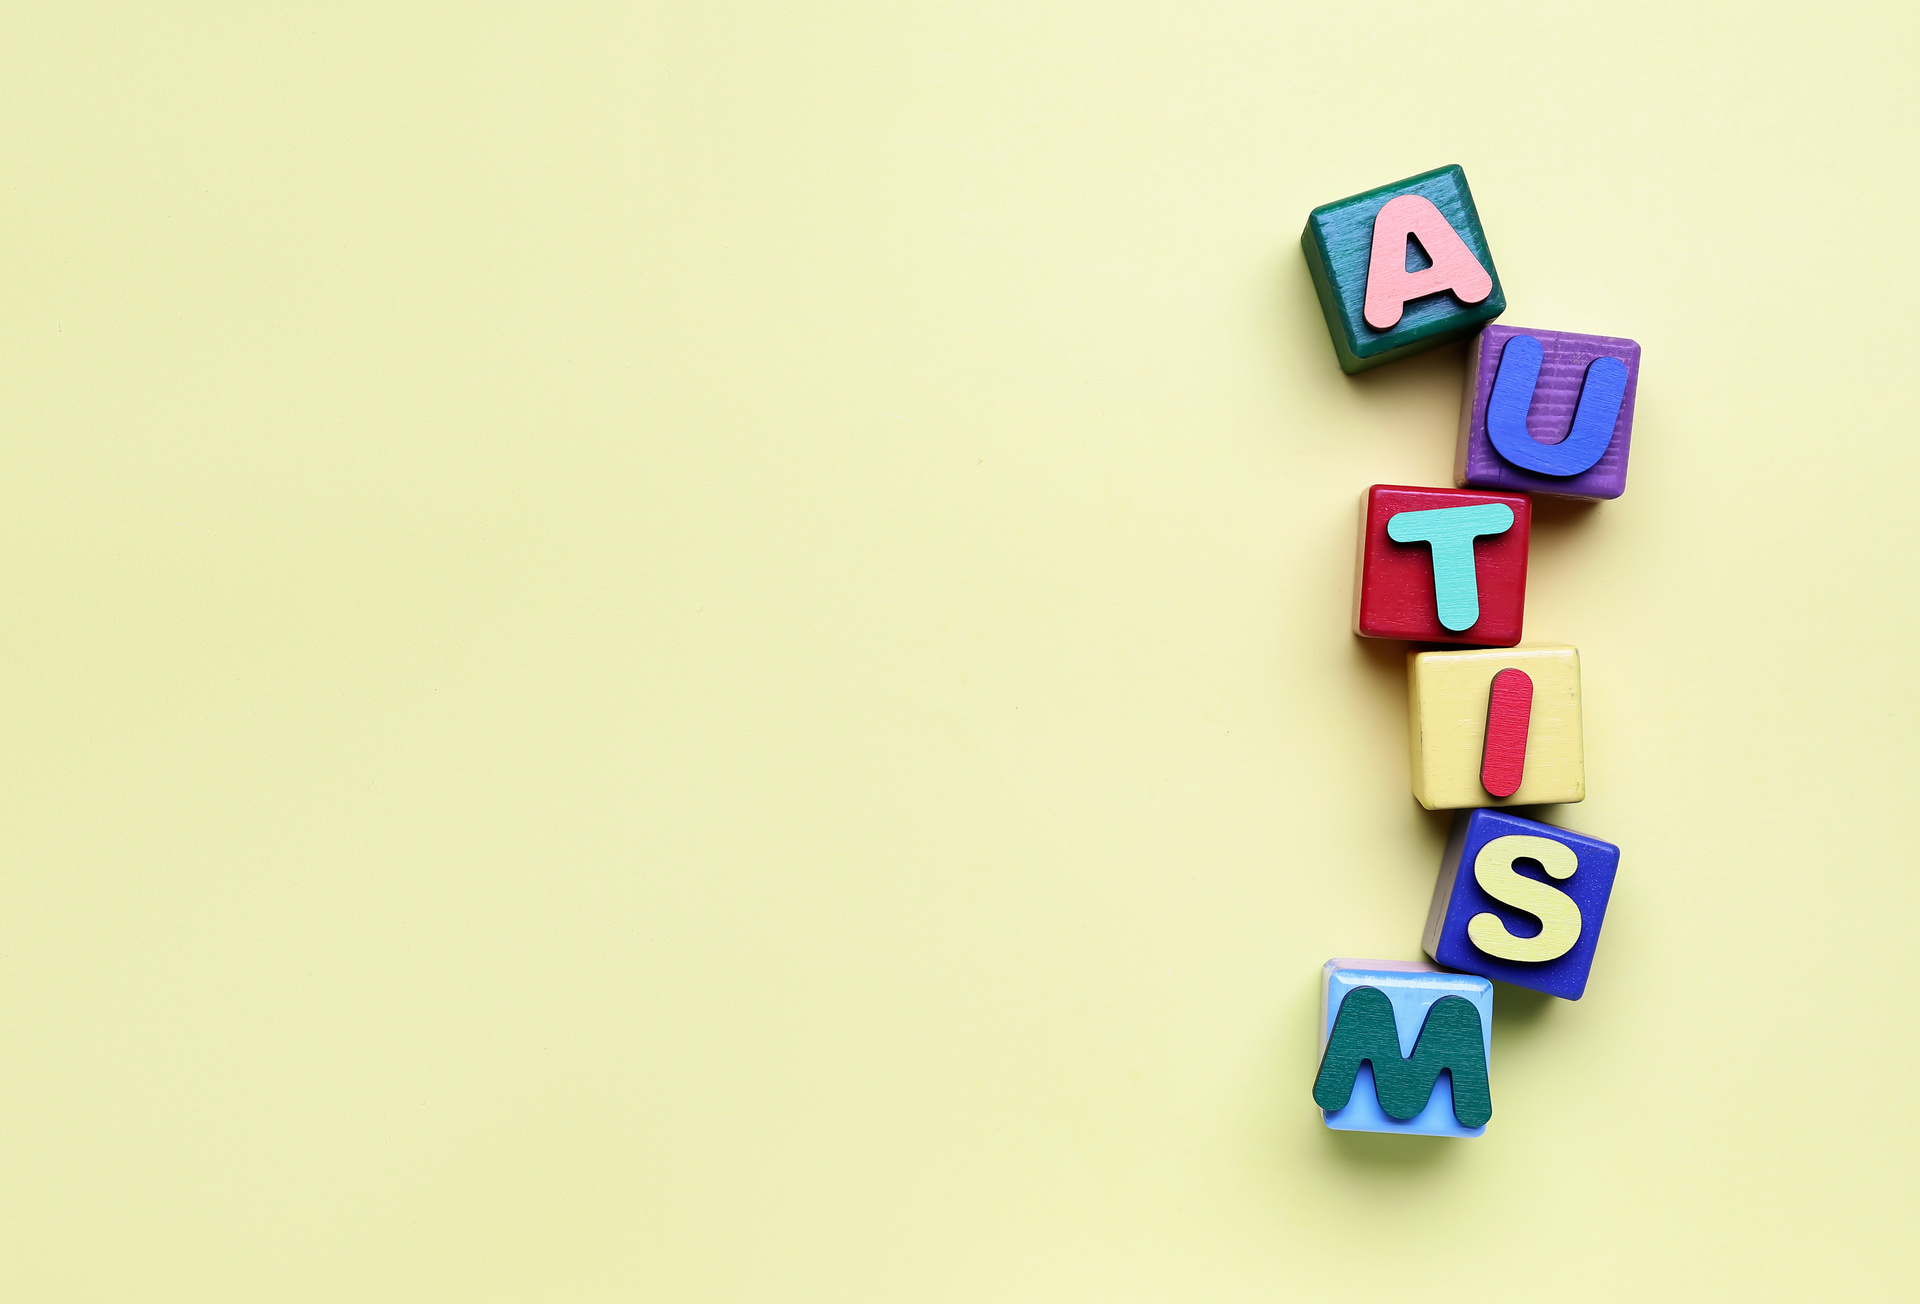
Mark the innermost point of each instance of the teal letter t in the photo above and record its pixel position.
(1450, 532)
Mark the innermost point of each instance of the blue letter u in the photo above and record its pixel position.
(1593, 420)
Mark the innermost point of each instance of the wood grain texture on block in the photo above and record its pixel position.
(1560, 387)
(1503, 760)
(1521, 901)
(1449, 694)
(1427, 573)
(1339, 244)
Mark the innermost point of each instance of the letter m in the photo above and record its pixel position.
(1450, 1042)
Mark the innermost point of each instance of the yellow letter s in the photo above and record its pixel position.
(1559, 916)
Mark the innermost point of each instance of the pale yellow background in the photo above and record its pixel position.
(700, 653)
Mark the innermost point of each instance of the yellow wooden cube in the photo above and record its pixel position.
(1448, 694)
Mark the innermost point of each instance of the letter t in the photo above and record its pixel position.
(1450, 532)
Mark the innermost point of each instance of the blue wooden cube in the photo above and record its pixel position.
(1404, 1048)
(1402, 268)
(1521, 901)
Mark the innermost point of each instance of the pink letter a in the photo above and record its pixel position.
(1390, 284)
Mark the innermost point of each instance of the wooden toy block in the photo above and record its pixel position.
(1480, 737)
(1401, 268)
(1442, 565)
(1404, 1047)
(1520, 901)
(1547, 412)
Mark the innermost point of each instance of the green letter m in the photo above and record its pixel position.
(1450, 1042)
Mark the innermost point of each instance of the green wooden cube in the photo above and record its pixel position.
(1339, 243)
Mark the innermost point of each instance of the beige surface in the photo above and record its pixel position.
(700, 654)
(1447, 725)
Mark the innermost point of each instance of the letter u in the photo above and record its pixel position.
(1601, 394)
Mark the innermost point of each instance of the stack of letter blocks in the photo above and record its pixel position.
(1494, 722)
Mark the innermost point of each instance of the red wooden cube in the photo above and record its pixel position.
(1442, 565)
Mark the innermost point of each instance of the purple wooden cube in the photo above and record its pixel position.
(1534, 414)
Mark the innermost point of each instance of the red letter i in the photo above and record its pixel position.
(1509, 704)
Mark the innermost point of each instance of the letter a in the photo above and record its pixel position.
(1390, 284)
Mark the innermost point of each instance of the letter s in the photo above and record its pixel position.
(1559, 916)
